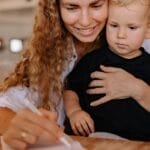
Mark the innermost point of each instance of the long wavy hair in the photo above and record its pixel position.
(45, 56)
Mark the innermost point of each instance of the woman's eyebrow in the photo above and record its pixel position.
(69, 3)
(74, 4)
(97, 1)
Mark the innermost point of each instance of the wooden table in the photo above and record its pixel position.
(88, 143)
(109, 144)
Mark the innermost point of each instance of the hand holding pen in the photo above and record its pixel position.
(33, 126)
(28, 127)
(65, 139)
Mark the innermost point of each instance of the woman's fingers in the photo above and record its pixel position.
(17, 145)
(50, 115)
(109, 69)
(97, 83)
(14, 139)
(99, 90)
(48, 123)
(29, 128)
(100, 101)
(115, 83)
(98, 75)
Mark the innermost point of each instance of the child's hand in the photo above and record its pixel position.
(81, 123)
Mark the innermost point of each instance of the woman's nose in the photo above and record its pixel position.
(85, 18)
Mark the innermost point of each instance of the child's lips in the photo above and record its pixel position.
(121, 45)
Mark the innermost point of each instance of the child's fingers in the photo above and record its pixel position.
(91, 126)
(86, 128)
(80, 129)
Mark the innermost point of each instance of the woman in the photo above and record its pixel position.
(64, 31)
(57, 41)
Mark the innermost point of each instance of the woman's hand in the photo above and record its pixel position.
(115, 83)
(81, 123)
(29, 128)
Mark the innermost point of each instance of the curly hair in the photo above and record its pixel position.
(45, 55)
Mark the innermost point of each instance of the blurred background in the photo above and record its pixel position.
(16, 20)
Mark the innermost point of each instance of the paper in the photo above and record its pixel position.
(106, 135)
(74, 146)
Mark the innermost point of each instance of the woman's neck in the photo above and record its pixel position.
(83, 48)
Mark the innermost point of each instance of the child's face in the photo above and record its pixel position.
(126, 28)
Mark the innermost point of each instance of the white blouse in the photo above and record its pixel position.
(146, 45)
(14, 97)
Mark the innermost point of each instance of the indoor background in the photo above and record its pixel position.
(16, 20)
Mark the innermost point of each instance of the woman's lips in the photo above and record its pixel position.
(86, 31)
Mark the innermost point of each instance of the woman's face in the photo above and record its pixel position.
(84, 19)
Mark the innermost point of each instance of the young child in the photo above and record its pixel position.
(126, 29)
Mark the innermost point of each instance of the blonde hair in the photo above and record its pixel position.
(127, 2)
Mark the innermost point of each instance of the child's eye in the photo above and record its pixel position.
(133, 27)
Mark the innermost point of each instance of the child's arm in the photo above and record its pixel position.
(81, 122)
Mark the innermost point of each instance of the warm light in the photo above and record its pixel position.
(16, 45)
(1, 44)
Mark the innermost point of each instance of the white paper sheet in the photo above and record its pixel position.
(106, 135)
(74, 146)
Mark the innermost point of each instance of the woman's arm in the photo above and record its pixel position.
(27, 128)
(117, 83)
(6, 115)
(142, 94)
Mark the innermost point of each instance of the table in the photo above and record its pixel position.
(90, 143)
(110, 144)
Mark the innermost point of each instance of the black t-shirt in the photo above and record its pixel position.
(122, 117)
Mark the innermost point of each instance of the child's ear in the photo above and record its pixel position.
(147, 35)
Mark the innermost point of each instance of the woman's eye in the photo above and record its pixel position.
(97, 6)
(71, 8)
(114, 25)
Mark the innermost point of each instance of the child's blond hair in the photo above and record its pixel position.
(127, 2)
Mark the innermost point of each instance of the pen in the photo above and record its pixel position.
(65, 139)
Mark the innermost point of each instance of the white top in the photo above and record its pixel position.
(146, 45)
(14, 98)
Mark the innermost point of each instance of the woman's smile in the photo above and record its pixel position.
(86, 31)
